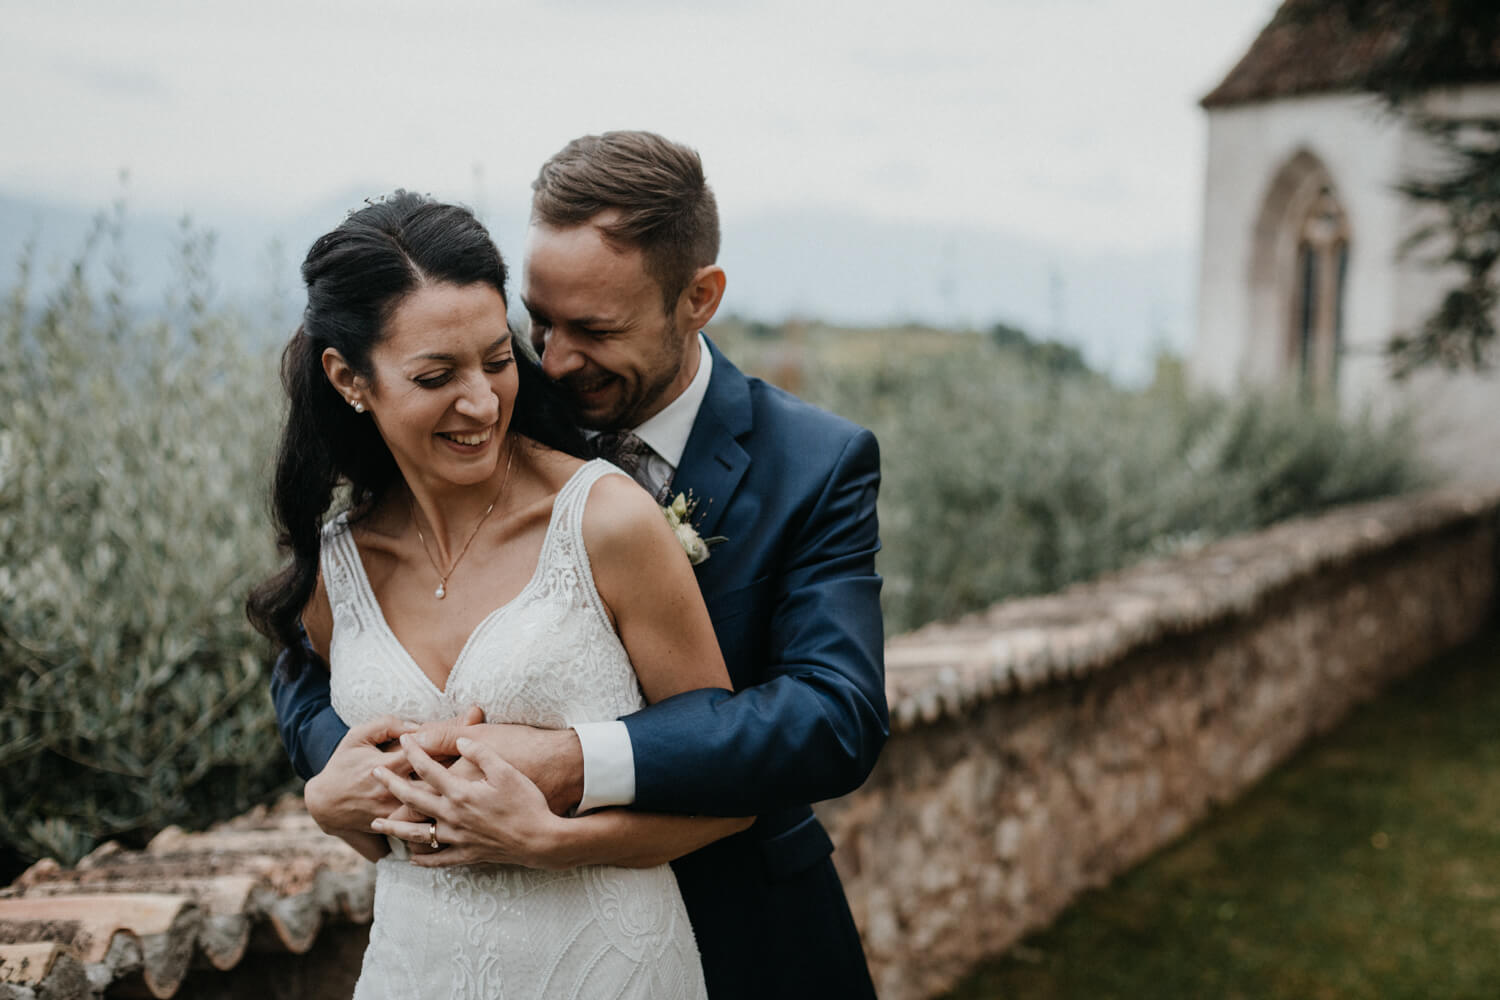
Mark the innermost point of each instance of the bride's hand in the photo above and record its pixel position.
(500, 818)
(459, 768)
(552, 759)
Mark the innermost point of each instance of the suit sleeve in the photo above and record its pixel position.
(813, 728)
(310, 728)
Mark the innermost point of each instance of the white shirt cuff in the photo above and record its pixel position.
(608, 765)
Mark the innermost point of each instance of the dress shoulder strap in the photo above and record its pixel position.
(574, 496)
(339, 578)
(564, 545)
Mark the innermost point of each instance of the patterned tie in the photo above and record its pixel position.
(629, 453)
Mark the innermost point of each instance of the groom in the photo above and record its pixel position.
(619, 278)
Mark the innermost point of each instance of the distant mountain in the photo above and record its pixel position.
(1118, 308)
(57, 234)
(150, 247)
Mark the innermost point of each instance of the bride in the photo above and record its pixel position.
(479, 562)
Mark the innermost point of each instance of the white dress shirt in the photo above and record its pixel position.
(608, 759)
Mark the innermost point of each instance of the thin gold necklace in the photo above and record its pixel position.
(442, 588)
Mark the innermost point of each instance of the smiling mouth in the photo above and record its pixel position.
(472, 439)
(589, 387)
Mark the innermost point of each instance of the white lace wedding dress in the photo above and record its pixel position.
(548, 658)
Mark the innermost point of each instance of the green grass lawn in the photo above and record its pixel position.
(1368, 866)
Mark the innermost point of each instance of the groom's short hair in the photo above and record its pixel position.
(664, 206)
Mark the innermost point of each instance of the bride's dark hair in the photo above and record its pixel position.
(356, 277)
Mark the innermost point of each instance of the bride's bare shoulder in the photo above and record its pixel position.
(554, 468)
(377, 534)
(621, 518)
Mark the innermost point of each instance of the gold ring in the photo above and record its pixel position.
(432, 840)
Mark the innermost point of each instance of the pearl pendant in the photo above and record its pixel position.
(440, 593)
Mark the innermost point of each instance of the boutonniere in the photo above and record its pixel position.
(679, 515)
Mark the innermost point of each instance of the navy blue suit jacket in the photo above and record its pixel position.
(795, 603)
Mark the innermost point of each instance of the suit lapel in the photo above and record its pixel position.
(714, 462)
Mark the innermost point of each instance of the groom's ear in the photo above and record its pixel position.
(700, 299)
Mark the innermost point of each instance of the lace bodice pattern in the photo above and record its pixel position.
(547, 658)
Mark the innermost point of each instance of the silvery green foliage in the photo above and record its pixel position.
(1003, 477)
(134, 461)
(133, 464)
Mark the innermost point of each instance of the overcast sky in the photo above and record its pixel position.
(1072, 121)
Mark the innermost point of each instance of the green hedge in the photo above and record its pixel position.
(1009, 468)
(1003, 477)
(133, 463)
(133, 468)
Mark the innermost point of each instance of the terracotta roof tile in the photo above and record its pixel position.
(138, 920)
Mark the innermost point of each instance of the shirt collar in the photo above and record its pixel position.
(667, 432)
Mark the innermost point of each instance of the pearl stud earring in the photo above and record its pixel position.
(358, 406)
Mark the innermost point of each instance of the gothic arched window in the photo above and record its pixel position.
(1297, 278)
(1317, 324)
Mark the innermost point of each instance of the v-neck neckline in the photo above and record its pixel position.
(363, 581)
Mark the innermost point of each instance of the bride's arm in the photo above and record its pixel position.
(648, 587)
(343, 796)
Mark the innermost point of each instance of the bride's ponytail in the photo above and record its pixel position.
(302, 491)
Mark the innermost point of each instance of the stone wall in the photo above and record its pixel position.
(1044, 747)
(1039, 749)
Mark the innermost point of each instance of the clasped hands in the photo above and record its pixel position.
(493, 791)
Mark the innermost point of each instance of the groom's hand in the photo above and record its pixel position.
(345, 795)
(440, 738)
(551, 758)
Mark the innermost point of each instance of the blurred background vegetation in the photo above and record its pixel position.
(134, 461)
(1011, 468)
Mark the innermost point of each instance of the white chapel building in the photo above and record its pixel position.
(1301, 277)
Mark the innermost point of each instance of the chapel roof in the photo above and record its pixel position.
(1312, 47)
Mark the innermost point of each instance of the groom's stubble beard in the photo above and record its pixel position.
(638, 401)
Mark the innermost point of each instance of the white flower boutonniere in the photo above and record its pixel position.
(679, 514)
